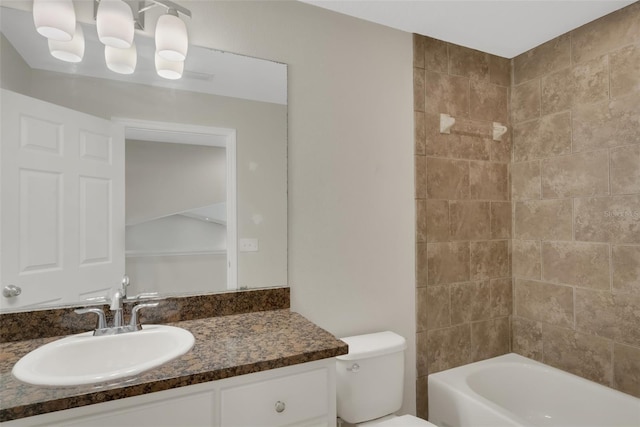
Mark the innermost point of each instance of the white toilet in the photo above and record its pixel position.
(370, 381)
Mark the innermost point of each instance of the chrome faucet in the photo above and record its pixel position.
(117, 308)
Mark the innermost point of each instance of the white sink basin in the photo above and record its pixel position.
(85, 359)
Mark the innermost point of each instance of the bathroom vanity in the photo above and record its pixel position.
(262, 368)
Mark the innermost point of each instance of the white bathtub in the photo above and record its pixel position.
(512, 390)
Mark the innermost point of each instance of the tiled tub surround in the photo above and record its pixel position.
(464, 289)
(575, 109)
(225, 346)
(532, 246)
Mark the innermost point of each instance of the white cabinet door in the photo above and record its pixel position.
(62, 204)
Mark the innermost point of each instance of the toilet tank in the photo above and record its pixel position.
(370, 377)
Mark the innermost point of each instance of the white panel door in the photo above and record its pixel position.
(62, 203)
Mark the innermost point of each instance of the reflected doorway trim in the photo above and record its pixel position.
(181, 133)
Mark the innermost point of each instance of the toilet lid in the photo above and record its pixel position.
(405, 421)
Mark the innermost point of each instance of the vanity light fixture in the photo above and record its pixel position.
(171, 70)
(172, 40)
(121, 61)
(55, 19)
(70, 51)
(116, 21)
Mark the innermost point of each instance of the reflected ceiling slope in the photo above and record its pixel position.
(505, 28)
(206, 70)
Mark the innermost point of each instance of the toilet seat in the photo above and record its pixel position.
(403, 421)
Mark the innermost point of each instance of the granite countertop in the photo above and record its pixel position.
(225, 346)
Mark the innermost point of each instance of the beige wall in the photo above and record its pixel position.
(351, 197)
(463, 293)
(576, 191)
(350, 163)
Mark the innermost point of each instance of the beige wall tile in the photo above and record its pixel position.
(470, 147)
(585, 355)
(470, 302)
(583, 174)
(447, 94)
(543, 219)
(418, 89)
(488, 102)
(489, 338)
(437, 144)
(421, 220)
(438, 307)
(526, 256)
(613, 316)
(419, 135)
(422, 398)
(470, 220)
(625, 262)
(625, 71)
(420, 176)
(435, 55)
(421, 265)
(500, 220)
(606, 124)
(605, 34)
(447, 179)
(544, 302)
(583, 84)
(501, 297)
(545, 137)
(525, 101)
(490, 259)
(421, 354)
(526, 338)
(488, 180)
(613, 219)
(626, 369)
(501, 150)
(625, 169)
(437, 218)
(421, 309)
(500, 70)
(550, 56)
(448, 262)
(448, 348)
(525, 180)
(468, 62)
(418, 51)
(576, 263)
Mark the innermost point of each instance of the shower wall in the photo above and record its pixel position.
(575, 109)
(464, 286)
(531, 244)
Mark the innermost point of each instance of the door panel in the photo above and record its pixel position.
(62, 220)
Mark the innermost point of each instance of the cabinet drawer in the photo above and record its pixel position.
(277, 402)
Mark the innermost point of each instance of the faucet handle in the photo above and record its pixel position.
(102, 321)
(133, 322)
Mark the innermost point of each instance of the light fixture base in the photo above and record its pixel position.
(139, 7)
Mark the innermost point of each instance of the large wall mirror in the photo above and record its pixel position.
(179, 184)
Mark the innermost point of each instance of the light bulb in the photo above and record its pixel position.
(114, 22)
(55, 19)
(172, 40)
(121, 61)
(71, 51)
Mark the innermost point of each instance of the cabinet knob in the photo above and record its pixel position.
(280, 406)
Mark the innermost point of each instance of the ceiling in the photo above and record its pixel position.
(505, 28)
